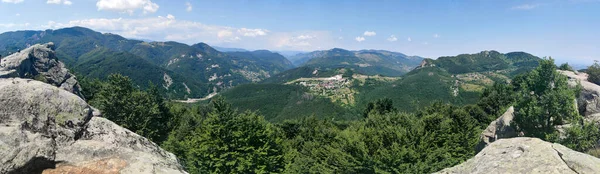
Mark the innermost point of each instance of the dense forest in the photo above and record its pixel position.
(216, 138)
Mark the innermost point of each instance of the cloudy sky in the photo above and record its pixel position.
(568, 30)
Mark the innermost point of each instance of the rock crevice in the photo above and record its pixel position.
(561, 158)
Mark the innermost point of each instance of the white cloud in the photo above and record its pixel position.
(18, 14)
(65, 2)
(369, 33)
(252, 32)
(409, 39)
(296, 41)
(167, 28)
(340, 38)
(392, 38)
(14, 26)
(13, 1)
(188, 6)
(525, 7)
(127, 6)
(359, 39)
(436, 36)
(305, 40)
(224, 34)
(171, 28)
(171, 17)
(304, 37)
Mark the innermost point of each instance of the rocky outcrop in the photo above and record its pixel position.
(498, 129)
(39, 62)
(588, 101)
(527, 155)
(46, 129)
(425, 63)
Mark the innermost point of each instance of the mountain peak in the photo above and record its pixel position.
(337, 50)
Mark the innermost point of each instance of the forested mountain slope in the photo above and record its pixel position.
(453, 79)
(368, 62)
(199, 62)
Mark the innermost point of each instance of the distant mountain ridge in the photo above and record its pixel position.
(453, 79)
(484, 61)
(200, 64)
(225, 49)
(368, 62)
(459, 80)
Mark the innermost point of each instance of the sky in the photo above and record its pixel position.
(567, 30)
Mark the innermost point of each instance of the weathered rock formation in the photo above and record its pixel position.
(498, 129)
(46, 129)
(527, 155)
(39, 62)
(588, 101)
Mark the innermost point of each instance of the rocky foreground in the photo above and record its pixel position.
(46, 127)
(527, 155)
(501, 151)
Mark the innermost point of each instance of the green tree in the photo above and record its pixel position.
(545, 101)
(565, 67)
(581, 136)
(227, 142)
(143, 112)
(114, 98)
(381, 106)
(594, 73)
(90, 87)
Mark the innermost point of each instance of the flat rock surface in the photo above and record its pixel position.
(527, 155)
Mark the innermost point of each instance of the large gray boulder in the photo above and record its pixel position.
(527, 155)
(45, 128)
(498, 129)
(39, 62)
(588, 101)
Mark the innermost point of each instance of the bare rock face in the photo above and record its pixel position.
(39, 62)
(527, 155)
(45, 129)
(588, 101)
(498, 129)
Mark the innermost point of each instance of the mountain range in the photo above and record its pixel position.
(370, 62)
(193, 71)
(458, 80)
(185, 71)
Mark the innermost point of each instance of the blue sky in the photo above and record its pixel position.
(568, 30)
